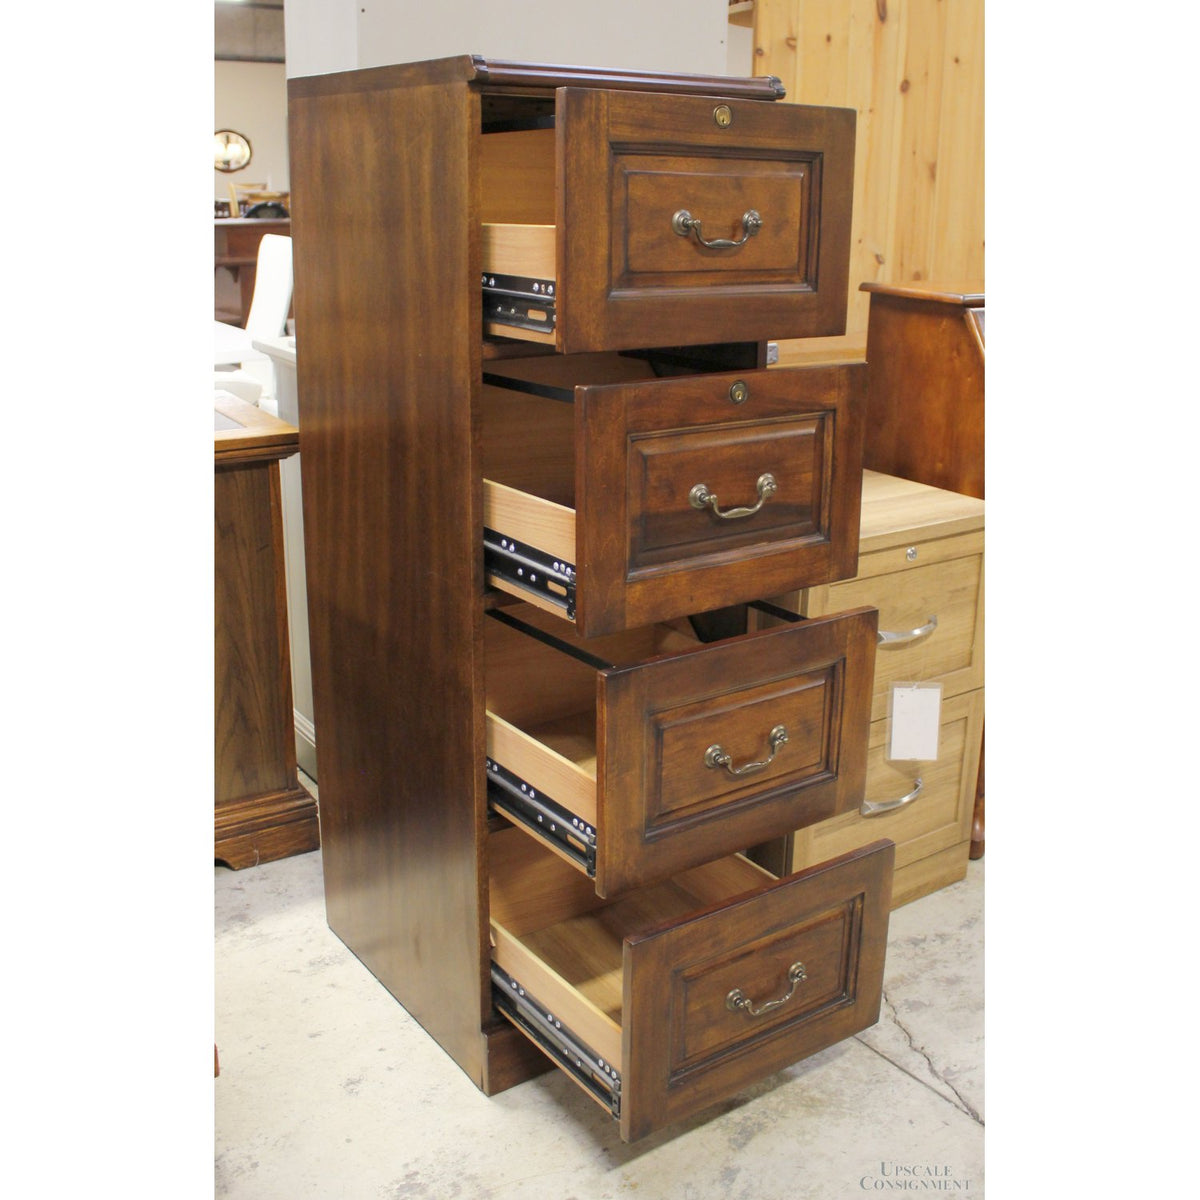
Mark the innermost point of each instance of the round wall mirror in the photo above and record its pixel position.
(232, 150)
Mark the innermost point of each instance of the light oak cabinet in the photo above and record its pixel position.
(546, 477)
(921, 565)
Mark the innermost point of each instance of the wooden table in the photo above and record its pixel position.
(236, 247)
(261, 810)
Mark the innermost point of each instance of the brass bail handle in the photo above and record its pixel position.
(716, 756)
(738, 1001)
(683, 223)
(700, 497)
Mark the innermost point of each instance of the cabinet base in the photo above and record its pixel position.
(930, 874)
(509, 1058)
(264, 828)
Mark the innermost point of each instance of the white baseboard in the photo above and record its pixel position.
(306, 744)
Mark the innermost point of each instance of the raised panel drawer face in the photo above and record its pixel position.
(669, 220)
(676, 996)
(654, 751)
(937, 817)
(687, 495)
(930, 613)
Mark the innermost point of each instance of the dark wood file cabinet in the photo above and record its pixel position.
(545, 475)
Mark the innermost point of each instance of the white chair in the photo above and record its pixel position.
(239, 383)
(272, 297)
(269, 306)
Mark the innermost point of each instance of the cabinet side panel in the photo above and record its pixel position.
(385, 219)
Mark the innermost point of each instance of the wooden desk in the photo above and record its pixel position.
(236, 247)
(261, 810)
(925, 365)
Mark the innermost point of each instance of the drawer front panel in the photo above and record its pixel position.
(745, 989)
(940, 815)
(712, 490)
(741, 723)
(690, 761)
(727, 463)
(909, 596)
(648, 191)
(771, 186)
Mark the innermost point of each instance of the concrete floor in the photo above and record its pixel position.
(329, 1089)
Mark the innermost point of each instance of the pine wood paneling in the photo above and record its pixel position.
(913, 70)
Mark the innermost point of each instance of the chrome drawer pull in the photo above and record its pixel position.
(887, 638)
(875, 808)
(700, 497)
(684, 223)
(738, 1001)
(715, 756)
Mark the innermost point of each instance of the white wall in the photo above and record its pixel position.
(252, 98)
(320, 36)
(739, 50)
(667, 35)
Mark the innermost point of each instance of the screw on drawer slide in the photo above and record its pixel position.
(517, 800)
(531, 569)
(581, 1062)
(520, 301)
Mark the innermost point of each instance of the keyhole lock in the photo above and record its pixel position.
(739, 393)
(723, 116)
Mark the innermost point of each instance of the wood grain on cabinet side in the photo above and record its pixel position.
(388, 360)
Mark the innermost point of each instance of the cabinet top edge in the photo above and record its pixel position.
(967, 297)
(505, 73)
(494, 74)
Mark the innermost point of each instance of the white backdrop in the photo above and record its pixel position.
(668, 35)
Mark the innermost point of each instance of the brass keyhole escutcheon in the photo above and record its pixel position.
(723, 116)
(739, 393)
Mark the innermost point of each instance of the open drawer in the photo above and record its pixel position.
(675, 996)
(617, 499)
(629, 219)
(636, 755)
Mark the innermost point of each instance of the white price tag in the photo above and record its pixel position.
(916, 716)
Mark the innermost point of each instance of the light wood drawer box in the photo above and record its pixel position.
(629, 500)
(637, 999)
(932, 832)
(587, 222)
(639, 754)
(920, 561)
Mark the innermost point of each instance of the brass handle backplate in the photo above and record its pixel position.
(715, 756)
(683, 223)
(738, 1001)
(700, 497)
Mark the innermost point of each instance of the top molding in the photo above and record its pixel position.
(503, 75)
